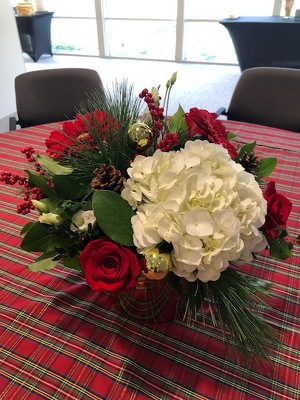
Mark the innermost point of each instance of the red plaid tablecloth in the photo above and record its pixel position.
(60, 340)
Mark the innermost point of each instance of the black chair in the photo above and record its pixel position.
(52, 95)
(266, 96)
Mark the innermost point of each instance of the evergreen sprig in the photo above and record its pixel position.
(236, 305)
(124, 107)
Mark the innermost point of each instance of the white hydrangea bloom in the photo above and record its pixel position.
(201, 202)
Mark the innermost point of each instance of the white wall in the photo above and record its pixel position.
(11, 59)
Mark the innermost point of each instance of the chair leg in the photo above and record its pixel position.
(12, 123)
(221, 111)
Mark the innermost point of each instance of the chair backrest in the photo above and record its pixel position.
(52, 95)
(267, 96)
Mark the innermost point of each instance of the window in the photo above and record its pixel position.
(204, 39)
(74, 27)
(133, 28)
(175, 30)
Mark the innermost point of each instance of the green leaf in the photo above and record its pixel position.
(44, 262)
(231, 135)
(26, 228)
(283, 232)
(41, 182)
(280, 249)
(72, 263)
(53, 166)
(38, 238)
(69, 188)
(113, 215)
(266, 167)
(177, 121)
(247, 148)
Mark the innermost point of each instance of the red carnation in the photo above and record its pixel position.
(75, 134)
(206, 124)
(99, 121)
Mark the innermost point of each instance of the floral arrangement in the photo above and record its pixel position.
(128, 195)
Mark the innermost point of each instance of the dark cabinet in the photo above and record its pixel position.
(35, 33)
(265, 41)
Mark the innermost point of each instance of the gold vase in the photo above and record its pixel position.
(151, 300)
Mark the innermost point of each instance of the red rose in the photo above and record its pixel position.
(278, 210)
(108, 266)
(204, 123)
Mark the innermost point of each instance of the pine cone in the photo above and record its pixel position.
(250, 163)
(107, 178)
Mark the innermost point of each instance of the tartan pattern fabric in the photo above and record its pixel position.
(60, 340)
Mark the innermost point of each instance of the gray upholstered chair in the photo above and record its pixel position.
(267, 96)
(52, 95)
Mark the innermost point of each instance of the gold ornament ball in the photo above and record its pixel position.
(157, 262)
(140, 136)
(155, 276)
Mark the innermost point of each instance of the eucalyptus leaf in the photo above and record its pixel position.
(53, 166)
(113, 215)
(44, 262)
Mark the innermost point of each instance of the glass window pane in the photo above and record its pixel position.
(254, 7)
(72, 8)
(76, 36)
(155, 9)
(141, 39)
(218, 48)
(218, 9)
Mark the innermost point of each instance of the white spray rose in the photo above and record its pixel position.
(81, 220)
(50, 219)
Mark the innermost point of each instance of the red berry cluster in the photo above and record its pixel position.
(12, 179)
(29, 193)
(27, 206)
(169, 142)
(29, 153)
(156, 112)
